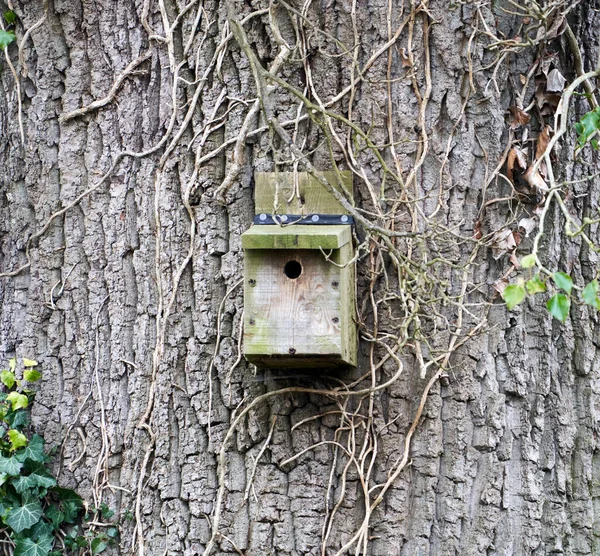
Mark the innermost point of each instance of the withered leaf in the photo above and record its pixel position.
(405, 59)
(503, 242)
(528, 225)
(500, 285)
(514, 261)
(535, 179)
(556, 81)
(519, 117)
(516, 157)
(542, 142)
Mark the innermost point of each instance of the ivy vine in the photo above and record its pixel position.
(40, 517)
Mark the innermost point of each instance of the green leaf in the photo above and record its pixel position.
(10, 17)
(112, 532)
(513, 295)
(559, 306)
(535, 285)
(69, 502)
(6, 37)
(563, 281)
(10, 466)
(98, 545)
(29, 362)
(12, 364)
(41, 529)
(26, 515)
(105, 511)
(586, 127)
(590, 294)
(7, 378)
(29, 547)
(18, 401)
(34, 451)
(54, 514)
(528, 261)
(17, 419)
(31, 375)
(17, 439)
(38, 477)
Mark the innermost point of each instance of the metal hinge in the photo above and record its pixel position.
(315, 219)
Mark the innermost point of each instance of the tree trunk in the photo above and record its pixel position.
(122, 204)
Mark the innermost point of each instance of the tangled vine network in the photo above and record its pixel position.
(421, 299)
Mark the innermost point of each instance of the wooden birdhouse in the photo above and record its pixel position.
(299, 291)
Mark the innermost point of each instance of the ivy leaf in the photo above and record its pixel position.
(586, 127)
(29, 547)
(34, 451)
(559, 306)
(528, 261)
(70, 503)
(590, 294)
(535, 285)
(10, 17)
(26, 515)
(513, 295)
(112, 532)
(31, 375)
(7, 378)
(6, 37)
(10, 466)
(54, 514)
(563, 281)
(12, 364)
(18, 401)
(38, 478)
(41, 529)
(98, 545)
(17, 439)
(17, 419)
(29, 362)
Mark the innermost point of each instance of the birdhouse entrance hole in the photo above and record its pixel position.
(292, 269)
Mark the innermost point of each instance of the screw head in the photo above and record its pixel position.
(315, 217)
(252, 282)
(344, 218)
(263, 217)
(292, 351)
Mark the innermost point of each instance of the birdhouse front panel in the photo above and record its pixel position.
(299, 296)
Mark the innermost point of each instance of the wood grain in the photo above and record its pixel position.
(300, 193)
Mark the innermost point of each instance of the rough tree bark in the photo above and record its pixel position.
(121, 265)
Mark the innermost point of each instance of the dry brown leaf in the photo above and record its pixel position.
(556, 81)
(500, 285)
(542, 142)
(515, 157)
(503, 242)
(519, 117)
(514, 260)
(534, 179)
(477, 230)
(405, 59)
(527, 225)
